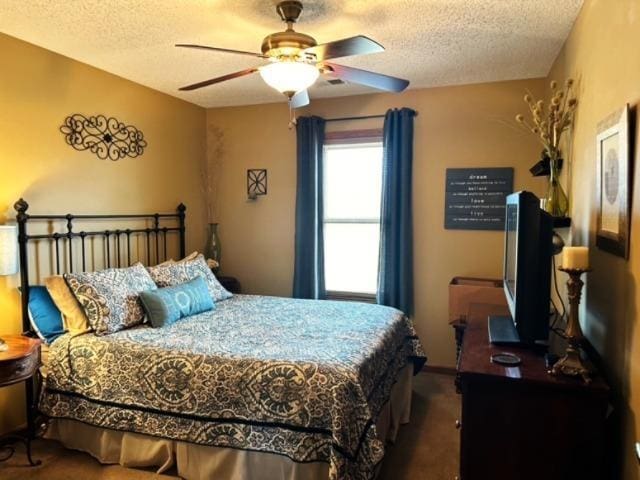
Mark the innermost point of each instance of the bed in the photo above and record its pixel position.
(260, 387)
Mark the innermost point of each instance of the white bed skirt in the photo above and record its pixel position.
(198, 462)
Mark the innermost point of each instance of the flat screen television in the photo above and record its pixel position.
(528, 250)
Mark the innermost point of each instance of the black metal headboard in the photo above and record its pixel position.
(116, 241)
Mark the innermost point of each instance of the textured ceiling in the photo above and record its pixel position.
(429, 42)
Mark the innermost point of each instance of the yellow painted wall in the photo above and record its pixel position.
(602, 55)
(466, 126)
(38, 89)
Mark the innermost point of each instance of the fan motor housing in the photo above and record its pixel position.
(289, 10)
(286, 44)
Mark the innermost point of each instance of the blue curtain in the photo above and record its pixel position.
(308, 276)
(395, 272)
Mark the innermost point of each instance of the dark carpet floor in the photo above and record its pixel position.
(427, 448)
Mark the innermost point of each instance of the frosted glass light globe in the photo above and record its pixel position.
(289, 77)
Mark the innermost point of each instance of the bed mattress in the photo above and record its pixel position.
(301, 378)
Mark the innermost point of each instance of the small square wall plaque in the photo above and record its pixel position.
(256, 182)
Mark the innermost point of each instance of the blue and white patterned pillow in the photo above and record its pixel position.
(110, 297)
(165, 306)
(181, 272)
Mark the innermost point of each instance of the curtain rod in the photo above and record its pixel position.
(363, 117)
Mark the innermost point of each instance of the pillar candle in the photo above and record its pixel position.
(575, 258)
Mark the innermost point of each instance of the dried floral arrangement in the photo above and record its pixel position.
(548, 124)
(210, 172)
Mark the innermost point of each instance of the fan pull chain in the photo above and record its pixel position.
(292, 117)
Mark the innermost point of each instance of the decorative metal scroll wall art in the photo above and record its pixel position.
(256, 182)
(108, 138)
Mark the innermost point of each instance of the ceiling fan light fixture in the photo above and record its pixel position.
(297, 60)
(289, 77)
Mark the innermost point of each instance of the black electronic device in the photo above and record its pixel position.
(528, 248)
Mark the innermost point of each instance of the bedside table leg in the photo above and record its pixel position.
(6, 445)
(31, 424)
(27, 443)
(7, 450)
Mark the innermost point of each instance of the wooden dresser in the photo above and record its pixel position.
(522, 423)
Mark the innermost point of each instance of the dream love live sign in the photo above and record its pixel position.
(475, 198)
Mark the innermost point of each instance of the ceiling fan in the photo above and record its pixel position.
(296, 60)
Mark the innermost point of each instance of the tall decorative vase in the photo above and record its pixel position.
(212, 249)
(557, 203)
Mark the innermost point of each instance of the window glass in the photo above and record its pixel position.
(352, 195)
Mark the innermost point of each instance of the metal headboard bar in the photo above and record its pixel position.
(83, 234)
(91, 217)
(115, 236)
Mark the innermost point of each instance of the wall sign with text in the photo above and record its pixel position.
(475, 198)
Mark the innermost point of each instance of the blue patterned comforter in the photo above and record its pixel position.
(301, 378)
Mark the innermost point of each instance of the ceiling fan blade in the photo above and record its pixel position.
(364, 77)
(229, 76)
(358, 45)
(300, 99)
(225, 50)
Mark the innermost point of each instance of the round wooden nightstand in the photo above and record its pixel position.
(19, 363)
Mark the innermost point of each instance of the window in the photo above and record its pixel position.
(352, 195)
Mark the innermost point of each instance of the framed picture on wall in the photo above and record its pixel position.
(612, 152)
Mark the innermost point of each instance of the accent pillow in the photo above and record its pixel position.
(171, 261)
(180, 272)
(74, 319)
(110, 297)
(165, 306)
(44, 316)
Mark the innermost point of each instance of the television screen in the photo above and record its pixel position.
(511, 249)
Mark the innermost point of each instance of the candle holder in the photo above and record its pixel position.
(572, 364)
